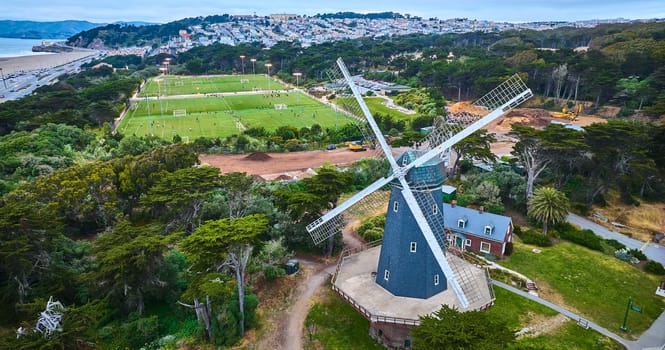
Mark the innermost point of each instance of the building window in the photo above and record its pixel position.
(435, 209)
(488, 230)
(405, 161)
(485, 247)
(413, 247)
(436, 279)
(467, 242)
(386, 275)
(461, 223)
(395, 206)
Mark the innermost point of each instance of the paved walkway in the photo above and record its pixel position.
(631, 345)
(653, 251)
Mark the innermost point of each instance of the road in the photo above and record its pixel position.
(653, 251)
(21, 85)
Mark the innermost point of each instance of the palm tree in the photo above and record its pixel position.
(548, 206)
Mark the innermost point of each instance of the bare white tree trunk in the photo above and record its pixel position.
(238, 259)
(203, 313)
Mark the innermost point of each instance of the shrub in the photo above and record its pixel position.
(624, 254)
(615, 244)
(654, 267)
(372, 228)
(638, 254)
(584, 238)
(534, 237)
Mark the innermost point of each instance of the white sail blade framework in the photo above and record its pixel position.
(372, 198)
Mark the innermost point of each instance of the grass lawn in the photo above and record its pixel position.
(519, 312)
(337, 325)
(186, 85)
(226, 116)
(594, 285)
(375, 105)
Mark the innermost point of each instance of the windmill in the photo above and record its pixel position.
(414, 244)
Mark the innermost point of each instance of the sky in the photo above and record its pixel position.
(168, 10)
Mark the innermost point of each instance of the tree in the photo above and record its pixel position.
(226, 242)
(620, 155)
(239, 189)
(27, 233)
(328, 185)
(130, 258)
(537, 149)
(449, 328)
(548, 206)
(178, 195)
(474, 146)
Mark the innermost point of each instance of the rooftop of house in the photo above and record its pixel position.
(476, 222)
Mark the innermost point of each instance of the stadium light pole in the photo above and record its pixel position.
(297, 75)
(159, 96)
(268, 65)
(253, 60)
(242, 63)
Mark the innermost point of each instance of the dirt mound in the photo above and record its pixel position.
(533, 117)
(283, 177)
(258, 156)
(467, 107)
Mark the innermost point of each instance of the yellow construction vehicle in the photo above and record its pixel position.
(357, 146)
(567, 114)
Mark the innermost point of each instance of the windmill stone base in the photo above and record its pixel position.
(391, 317)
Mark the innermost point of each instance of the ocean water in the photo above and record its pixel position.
(10, 47)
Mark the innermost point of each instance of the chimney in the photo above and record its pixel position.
(481, 209)
(453, 203)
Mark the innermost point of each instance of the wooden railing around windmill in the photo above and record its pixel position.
(381, 318)
(363, 311)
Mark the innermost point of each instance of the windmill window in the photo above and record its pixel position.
(488, 229)
(435, 209)
(485, 247)
(467, 242)
(461, 223)
(413, 247)
(395, 206)
(386, 275)
(436, 279)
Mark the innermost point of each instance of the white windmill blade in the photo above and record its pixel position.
(503, 98)
(327, 225)
(368, 115)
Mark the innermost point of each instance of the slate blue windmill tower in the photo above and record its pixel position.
(407, 267)
(413, 261)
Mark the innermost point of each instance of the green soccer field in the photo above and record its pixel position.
(227, 115)
(169, 85)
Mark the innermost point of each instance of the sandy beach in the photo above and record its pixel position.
(10, 65)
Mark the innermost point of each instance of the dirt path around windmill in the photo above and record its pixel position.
(291, 326)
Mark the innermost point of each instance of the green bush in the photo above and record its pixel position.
(534, 237)
(615, 244)
(654, 267)
(585, 238)
(372, 228)
(638, 254)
